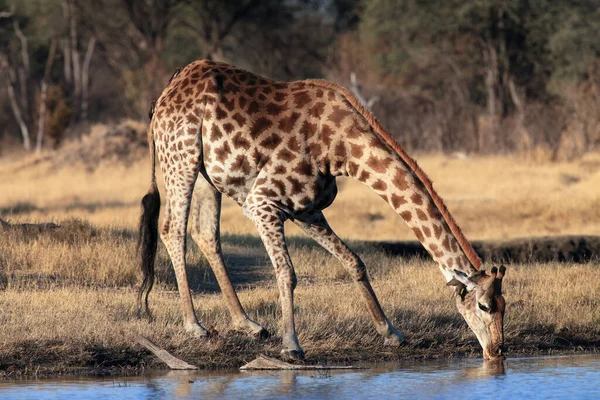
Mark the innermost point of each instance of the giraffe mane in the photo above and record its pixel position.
(411, 163)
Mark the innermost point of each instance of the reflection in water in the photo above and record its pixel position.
(577, 377)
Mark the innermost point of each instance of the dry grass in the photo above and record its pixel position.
(68, 296)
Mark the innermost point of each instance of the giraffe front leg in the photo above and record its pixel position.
(269, 222)
(320, 231)
(206, 212)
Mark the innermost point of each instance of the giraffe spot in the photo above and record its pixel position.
(319, 93)
(293, 144)
(304, 201)
(340, 150)
(379, 185)
(406, 216)
(207, 115)
(280, 96)
(235, 181)
(189, 142)
(353, 131)
(418, 233)
(450, 262)
(261, 181)
(270, 193)
(253, 107)
(215, 133)
(279, 185)
(241, 164)
(242, 101)
(258, 158)
(261, 97)
(326, 134)
(437, 230)
(251, 91)
(397, 201)
(285, 155)
(400, 179)
(216, 169)
(228, 127)
(229, 104)
(308, 129)
(331, 95)
(364, 176)
(271, 141)
(417, 199)
(356, 150)
(259, 126)
(379, 164)
(301, 99)
(240, 141)
(304, 168)
(454, 245)
(287, 124)
(239, 118)
(433, 211)
(315, 149)
(267, 90)
(279, 170)
(223, 152)
(338, 115)
(317, 110)
(220, 113)
(421, 214)
(376, 143)
(446, 243)
(276, 109)
(352, 168)
(427, 231)
(297, 186)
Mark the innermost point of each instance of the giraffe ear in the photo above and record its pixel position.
(455, 282)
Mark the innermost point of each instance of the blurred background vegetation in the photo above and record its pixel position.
(466, 76)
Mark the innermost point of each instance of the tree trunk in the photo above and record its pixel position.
(43, 95)
(85, 78)
(18, 116)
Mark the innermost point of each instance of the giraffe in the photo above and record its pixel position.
(276, 149)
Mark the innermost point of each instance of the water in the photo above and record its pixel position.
(576, 377)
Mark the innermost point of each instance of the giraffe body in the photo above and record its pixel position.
(276, 149)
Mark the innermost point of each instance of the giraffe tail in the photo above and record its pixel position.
(148, 235)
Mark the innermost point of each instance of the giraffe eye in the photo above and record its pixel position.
(483, 308)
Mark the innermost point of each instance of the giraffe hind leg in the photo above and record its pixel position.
(320, 231)
(179, 188)
(206, 210)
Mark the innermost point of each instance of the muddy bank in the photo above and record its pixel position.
(577, 249)
(236, 351)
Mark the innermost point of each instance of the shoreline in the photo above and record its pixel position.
(150, 364)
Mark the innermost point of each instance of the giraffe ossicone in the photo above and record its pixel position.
(276, 149)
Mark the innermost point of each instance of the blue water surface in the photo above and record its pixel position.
(568, 377)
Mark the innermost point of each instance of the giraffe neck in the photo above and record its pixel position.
(391, 179)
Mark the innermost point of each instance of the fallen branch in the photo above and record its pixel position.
(266, 362)
(163, 355)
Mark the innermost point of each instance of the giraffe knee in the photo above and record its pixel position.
(357, 269)
(287, 279)
(208, 245)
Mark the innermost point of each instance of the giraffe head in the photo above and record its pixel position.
(481, 304)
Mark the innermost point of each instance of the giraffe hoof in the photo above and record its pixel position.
(396, 339)
(197, 331)
(292, 355)
(254, 329)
